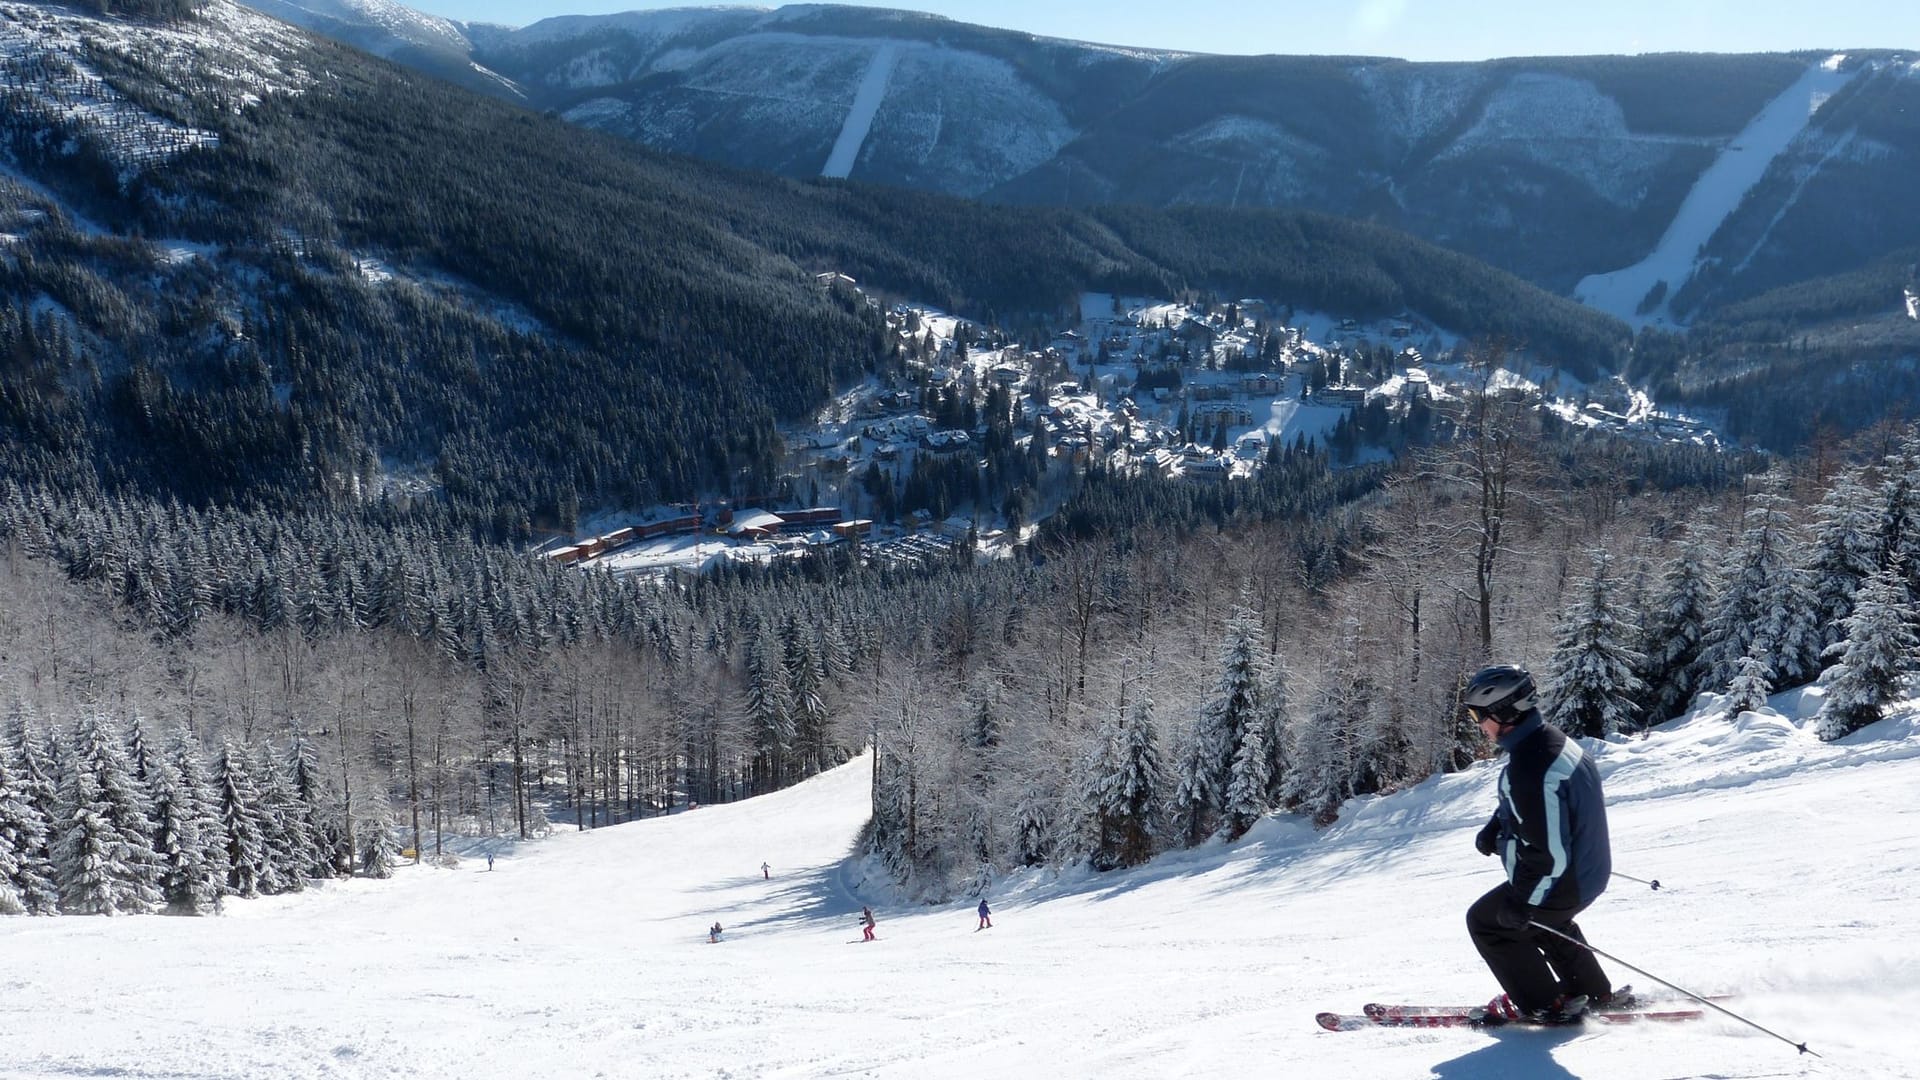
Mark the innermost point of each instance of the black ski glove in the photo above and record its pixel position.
(1489, 838)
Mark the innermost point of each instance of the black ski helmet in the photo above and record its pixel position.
(1503, 692)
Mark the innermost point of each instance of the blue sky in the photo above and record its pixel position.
(1413, 29)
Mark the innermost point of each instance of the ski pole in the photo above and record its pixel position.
(1655, 882)
(1800, 1046)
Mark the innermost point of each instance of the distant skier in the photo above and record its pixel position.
(713, 932)
(986, 917)
(766, 872)
(489, 860)
(1551, 833)
(866, 923)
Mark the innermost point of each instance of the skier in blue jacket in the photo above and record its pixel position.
(986, 916)
(1550, 832)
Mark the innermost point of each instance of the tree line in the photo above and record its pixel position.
(1115, 695)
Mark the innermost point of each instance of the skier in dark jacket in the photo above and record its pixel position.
(986, 916)
(1550, 832)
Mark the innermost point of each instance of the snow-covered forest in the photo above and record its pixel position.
(208, 703)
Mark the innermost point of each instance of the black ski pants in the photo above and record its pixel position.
(1533, 966)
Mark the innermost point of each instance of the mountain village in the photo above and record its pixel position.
(1199, 394)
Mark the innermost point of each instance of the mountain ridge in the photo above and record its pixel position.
(1555, 168)
(383, 273)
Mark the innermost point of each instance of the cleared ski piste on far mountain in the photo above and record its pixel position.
(1790, 873)
(1714, 195)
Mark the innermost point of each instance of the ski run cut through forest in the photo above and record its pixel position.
(1789, 871)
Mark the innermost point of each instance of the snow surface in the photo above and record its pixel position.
(1569, 125)
(1415, 102)
(866, 102)
(1790, 872)
(240, 50)
(1714, 195)
(403, 24)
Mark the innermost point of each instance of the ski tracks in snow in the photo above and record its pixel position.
(866, 102)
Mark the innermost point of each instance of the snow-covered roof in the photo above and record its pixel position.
(745, 520)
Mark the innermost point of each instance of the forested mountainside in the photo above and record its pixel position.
(280, 269)
(1553, 168)
(257, 279)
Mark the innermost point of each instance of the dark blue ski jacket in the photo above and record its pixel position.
(1552, 819)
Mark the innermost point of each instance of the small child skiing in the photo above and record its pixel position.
(766, 872)
(866, 923)
(986, 917)
(713, 933)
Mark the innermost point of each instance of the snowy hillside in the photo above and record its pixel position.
(1714, 196)
(401, 23)
(1790, 873)
(1591, 176)
(54, 53)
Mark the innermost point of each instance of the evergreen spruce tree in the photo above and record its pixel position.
(1192, 807)
(1898, 535)
(836, 656)
(199, 878)
(188, 885)
(11, 902)
(379, 853)
(1675, 625)
(1751, 686)
(1032, 827)
(1276, 728)
(768, 713)
(18, 829)
(1876, 657)
(286, 843)
(1590, 686)
(1235, 715)
(1753, 565)
(324, 816)
(1790, 635)
(887, 832)
(983, 733)
(1123, 782)
(25, 863)
(1246, 801)
(248, 859)
(89, 867)
(807, 708)
(139, 760)
(130, 875)
(1845, 549)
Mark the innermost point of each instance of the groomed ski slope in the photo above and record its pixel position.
(1714, 195)
(1791, 873)
(866, 102)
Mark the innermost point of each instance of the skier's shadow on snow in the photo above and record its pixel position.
(1513, 1055)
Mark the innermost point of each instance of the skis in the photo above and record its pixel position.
(1654, 1003)
(1473, 1016)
